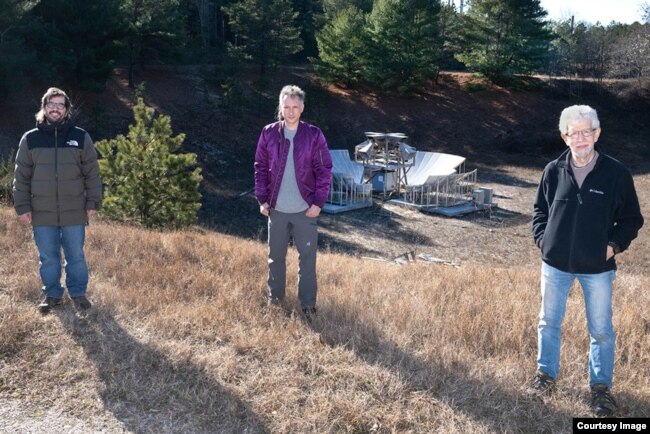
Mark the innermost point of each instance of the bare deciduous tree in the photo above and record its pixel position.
(631, 56)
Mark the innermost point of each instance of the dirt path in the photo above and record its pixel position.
(16, 417)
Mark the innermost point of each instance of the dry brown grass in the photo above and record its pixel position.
(180, 341)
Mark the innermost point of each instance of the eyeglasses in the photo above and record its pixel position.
(58, 105)
(585, 133)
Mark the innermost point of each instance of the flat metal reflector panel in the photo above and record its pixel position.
(347, 189)
(429, 166)
(343, 165)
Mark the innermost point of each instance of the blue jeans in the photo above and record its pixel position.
(49, 241)
(597, 292)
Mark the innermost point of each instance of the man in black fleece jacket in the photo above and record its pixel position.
(586, 212)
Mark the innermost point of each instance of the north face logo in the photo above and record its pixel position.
(73, 143)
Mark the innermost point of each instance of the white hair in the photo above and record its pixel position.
(578, 113)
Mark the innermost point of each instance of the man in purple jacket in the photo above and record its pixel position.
(293, 168)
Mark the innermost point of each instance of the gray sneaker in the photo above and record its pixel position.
(542, 385)
(602, 402)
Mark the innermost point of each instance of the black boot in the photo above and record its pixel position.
(48, 303)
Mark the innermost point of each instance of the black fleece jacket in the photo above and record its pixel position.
(573, 226)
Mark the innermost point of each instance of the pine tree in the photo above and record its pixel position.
(16, 60)
(306, 21)
(77, 41)
(341, 47)
(265, 31)
(145, 180)
(406, 44)
(331, 8)
(504, 37)
(155, 31)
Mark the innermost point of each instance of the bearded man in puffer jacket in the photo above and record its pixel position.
(56, 189)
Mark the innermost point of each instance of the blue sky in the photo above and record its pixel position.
(605, 11)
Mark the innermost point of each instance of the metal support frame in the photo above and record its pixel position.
(345, 191)
(445, 191)
(386, 153)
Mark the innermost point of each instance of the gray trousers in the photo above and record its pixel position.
(305, 235)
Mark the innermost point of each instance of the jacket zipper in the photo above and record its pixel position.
(575, 217)
(56, 175)
(280, 143)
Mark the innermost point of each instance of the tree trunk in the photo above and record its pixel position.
(208, 21)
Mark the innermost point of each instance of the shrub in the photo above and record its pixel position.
(145, 180)
(7, 166)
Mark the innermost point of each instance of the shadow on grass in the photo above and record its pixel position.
(497, 217)
(630, 405)
(148, 392)
(484, 400)
(239, 216)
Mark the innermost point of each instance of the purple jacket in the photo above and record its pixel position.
(312, 161)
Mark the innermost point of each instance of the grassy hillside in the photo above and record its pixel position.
(180, 341)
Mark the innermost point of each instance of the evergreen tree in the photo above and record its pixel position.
(341, 47)
(504, 37)
(308, 11)
(155, 31)
(406, 44)
(207, 20)
(265, 31)
(145, 180)
(332, 8)
(449, 24)
(16, 60)
(77, 40)
(11, 11)
(562, 48)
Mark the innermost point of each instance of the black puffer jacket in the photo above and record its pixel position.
(57, 175)
(574, 225)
